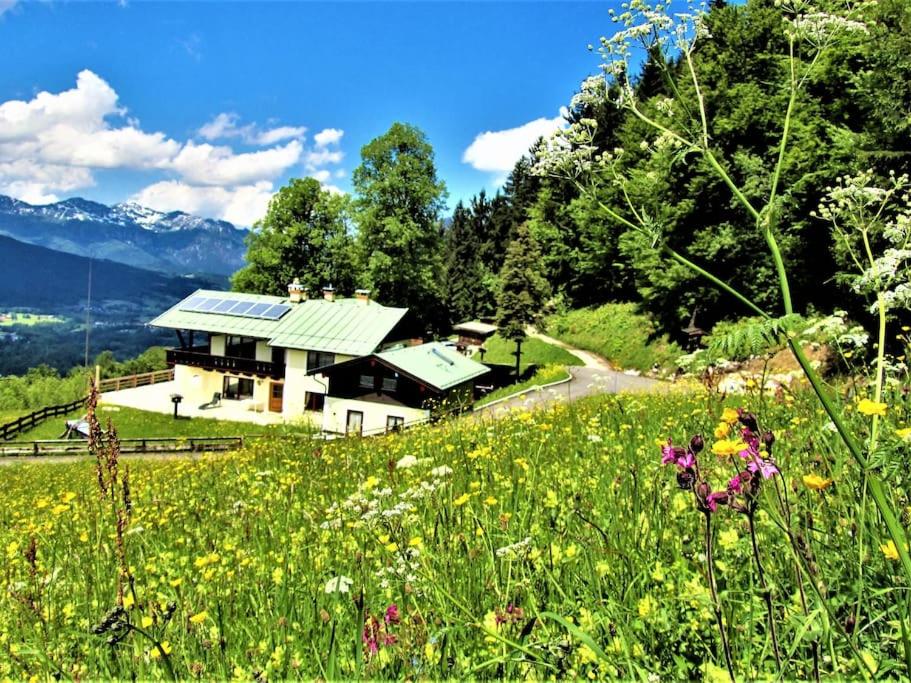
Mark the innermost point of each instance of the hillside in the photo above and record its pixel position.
(173, 242)
(36, 277)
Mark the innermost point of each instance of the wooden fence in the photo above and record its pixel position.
(130, 381)
(9, 430)
(160, 445)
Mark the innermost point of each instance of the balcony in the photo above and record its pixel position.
(200, 358)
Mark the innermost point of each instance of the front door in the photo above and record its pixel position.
(276, 394)
(355, 422)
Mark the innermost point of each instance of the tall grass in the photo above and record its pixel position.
(546, 543)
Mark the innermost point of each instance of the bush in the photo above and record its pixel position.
(618, 332)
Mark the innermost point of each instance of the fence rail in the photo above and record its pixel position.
(10, 429)
(161, 445)
(130, 381)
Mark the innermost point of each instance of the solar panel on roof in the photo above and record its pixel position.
(276, 311)
(241, 307)
(191, 303)
(257, 310)
(207, 305)
(224, 306)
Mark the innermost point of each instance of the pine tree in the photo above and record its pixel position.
(523, 290)
(466, 291)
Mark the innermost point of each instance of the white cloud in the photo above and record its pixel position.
(208, 165)
(241, 205)
(328, 136)
(51, 145)
(225, 125)
(322, 157)
(498, 151)
(6, 6)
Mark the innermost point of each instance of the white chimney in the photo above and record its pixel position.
(329, 293)
(296, 292)
(362, 295)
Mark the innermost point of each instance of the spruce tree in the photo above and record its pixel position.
(523, 290)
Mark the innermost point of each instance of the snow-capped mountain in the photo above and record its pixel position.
(173, 242)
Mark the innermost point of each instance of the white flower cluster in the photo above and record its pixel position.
(381, 505)
(820, 28)
(516, 550)
(834, 329)
(403, 568)
(860, 209)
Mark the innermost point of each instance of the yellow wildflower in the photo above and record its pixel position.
(889, 550)
(199, 618)
(904, 433)
(815, 482)
(868, 407)
(722, 430)
(729, 415)
(461, 500)
(728, 447)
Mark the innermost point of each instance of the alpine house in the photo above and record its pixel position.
(294, 355)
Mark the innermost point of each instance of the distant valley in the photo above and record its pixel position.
(175, 243)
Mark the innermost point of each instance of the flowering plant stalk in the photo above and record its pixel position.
(672, 38)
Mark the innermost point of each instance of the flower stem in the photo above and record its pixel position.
(766, 593)
(716, 603)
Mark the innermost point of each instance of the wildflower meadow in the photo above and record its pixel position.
(575, 541)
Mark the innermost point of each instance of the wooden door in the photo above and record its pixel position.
(276, 396)
(355, 422)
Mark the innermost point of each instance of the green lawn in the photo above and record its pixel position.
(133, 424)
(534, 352)
(546, 375)
(30, 319)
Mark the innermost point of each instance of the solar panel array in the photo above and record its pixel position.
(228, 306)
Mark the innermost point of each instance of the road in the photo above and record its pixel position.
(596, 376)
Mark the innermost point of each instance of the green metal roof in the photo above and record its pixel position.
(439, 366)
(343, 326)
(219, 323)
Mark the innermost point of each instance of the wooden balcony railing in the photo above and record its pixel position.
(243, 366)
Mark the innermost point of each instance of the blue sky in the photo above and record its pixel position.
(210, 107)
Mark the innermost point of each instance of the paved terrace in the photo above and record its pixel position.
(157, 399)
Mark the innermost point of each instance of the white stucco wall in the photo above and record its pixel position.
(297, 383)
(335, 414)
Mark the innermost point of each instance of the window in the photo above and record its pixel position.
(394, 423)
(240, 347)
(319, 359)
(366, 382)
(278, 356)
(237, 388)
(390, 384)
(314, 401)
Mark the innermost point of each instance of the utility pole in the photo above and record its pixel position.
(88, 317)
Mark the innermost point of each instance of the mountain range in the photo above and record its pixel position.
(47, 280)
(175, 243)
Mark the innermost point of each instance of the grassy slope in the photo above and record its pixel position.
(534, 351)
(617, 332)
(131, 424)
(246, 544)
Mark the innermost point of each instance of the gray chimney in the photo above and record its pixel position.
(362, 295)
(329, 293)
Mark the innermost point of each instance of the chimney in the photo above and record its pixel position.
(362, 295)
(329, 293)
(297, 292)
